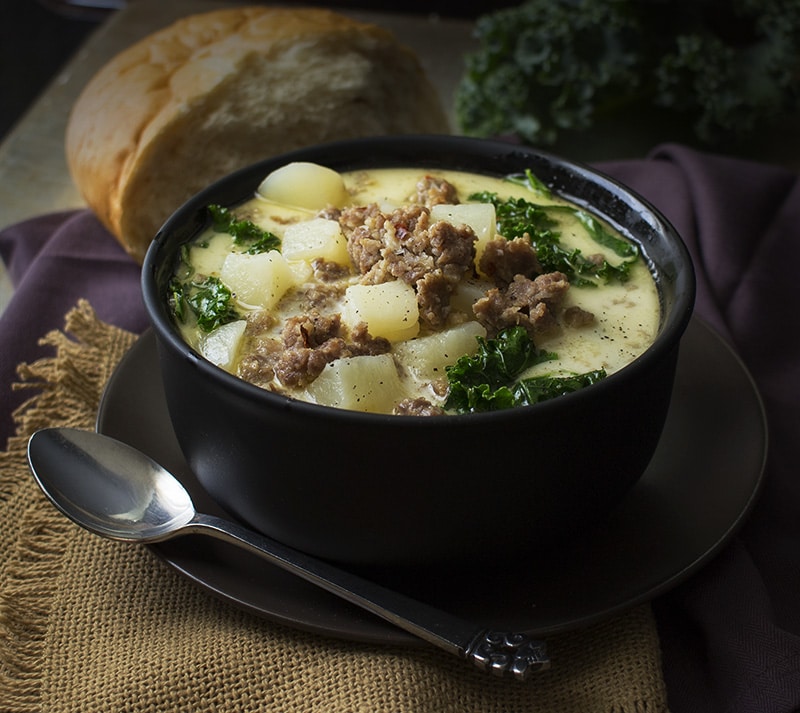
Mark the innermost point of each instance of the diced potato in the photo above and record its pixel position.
(306, 185)
(302, 271)
(478, 216)
(221, 346)
(361, 383)
(426, 357)
(316, 238)
(390, 309)
(257, 280)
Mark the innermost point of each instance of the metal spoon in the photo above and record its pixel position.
(116, 491)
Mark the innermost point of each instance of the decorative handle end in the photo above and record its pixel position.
(506, 653)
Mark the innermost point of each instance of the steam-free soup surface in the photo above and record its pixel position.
(363, 290)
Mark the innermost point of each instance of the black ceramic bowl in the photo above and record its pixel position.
(390, 490)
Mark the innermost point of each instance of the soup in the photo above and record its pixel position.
(413, 292)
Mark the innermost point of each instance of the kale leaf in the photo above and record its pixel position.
(546, 67)
(244, 232)
(209, 299)
(541, 388)
(528, 179)
(176, 299)
(487, 380)
(481, 382)
(517, 217)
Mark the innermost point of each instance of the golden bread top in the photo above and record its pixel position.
(217, 91)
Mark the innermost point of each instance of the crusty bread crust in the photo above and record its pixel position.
(220, 90)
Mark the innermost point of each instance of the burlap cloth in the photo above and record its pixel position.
(91, 625)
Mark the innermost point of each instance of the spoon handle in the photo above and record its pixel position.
(501, 653)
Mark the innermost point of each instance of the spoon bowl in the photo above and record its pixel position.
(129, 497)
(115, 491)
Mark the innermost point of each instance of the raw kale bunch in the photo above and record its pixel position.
(549, 66)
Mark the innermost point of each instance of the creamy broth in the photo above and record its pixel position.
(623, 317)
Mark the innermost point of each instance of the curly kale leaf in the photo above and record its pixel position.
(209, 299)
(597, 232)
(528, 179)
(244, 232)
(481, 382)
(546, 66)
(550, 66)
(488, 380)
(542, 388)
(731, 89)
(517, 217)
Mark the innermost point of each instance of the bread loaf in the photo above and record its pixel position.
(220, 90)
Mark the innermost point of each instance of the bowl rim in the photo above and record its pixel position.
(445, 152)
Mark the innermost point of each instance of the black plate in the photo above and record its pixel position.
(696, 492)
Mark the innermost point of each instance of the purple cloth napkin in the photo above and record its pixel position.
(731, 633)
(54, 261)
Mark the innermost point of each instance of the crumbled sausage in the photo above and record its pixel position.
(453, 246)
(310, 341)
(440, 386)
(362, 343)
(503, 259)
(405, 248)
(433, 298)
(417, 407)
(549, 288)
(259, 321)
(313, 340)
(363, 227)
(299, 366)
(577, 317)
(329, 213)
(258, 366)
(532, 304)
(316, 297)
(311, 330)
(329, 271)
(433, 191)
(405, 245)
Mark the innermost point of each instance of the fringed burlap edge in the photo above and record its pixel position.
(68, 387)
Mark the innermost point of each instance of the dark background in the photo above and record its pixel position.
(35, 42)
(37, 37)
